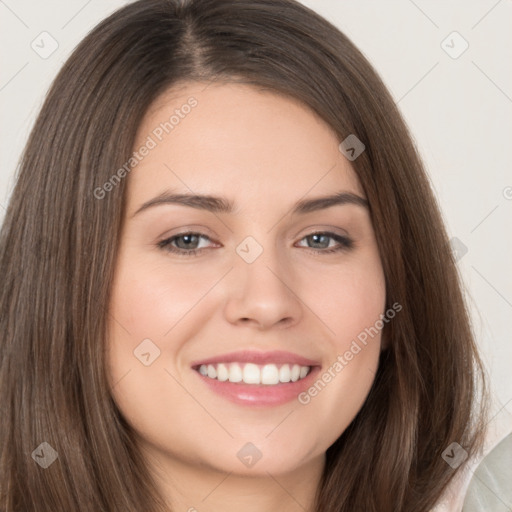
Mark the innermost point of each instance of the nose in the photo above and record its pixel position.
(262, 293)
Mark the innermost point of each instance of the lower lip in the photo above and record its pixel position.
(260, 394)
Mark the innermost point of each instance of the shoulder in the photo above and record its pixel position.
(483, 483)
(490, 487)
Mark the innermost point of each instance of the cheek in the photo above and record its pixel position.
(348, 300)
(147, 312)
(142, 310)
(148, 300)
(351, 304)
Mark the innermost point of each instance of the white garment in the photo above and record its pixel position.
(491, 489)
(491, 485)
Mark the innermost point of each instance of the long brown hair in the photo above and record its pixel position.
(59, 243)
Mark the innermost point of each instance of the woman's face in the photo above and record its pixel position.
(275, 289)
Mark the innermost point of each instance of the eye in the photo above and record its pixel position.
(322, 245)
(188, 244)
(184, 244)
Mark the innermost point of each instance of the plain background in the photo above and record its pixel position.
(458, 107)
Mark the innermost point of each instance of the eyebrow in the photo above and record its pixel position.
(216, 204)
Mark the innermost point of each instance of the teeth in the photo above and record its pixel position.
(295, 373)
(235, 373)
(269, 374)
(212, 371)
(249, 373)
(222, 372)
(284, 373)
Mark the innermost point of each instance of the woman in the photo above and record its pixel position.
(311, 352)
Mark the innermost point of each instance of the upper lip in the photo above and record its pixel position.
(249, 356)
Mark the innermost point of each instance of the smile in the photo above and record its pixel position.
(250, 373)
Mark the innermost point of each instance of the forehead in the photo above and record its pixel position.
(234, 139)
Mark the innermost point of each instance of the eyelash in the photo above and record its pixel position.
(345, 244)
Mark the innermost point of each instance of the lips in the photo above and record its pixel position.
(257, 378)
(259, 358)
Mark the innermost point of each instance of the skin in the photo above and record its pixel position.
(263, 151)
